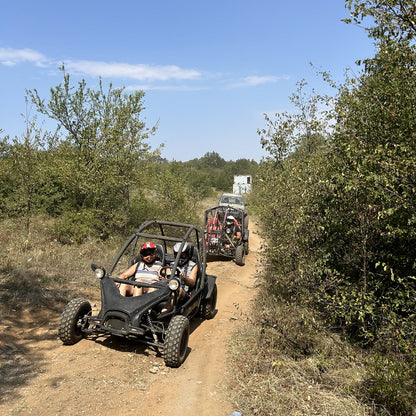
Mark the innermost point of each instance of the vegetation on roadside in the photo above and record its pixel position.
(337, 202)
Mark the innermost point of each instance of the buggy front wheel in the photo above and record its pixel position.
(71, 320)
(176, 341)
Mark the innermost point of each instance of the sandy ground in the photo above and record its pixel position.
(111, 376)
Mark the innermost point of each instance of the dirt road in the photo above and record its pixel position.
(110, 376)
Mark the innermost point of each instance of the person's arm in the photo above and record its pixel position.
(191, 279)
(129, 272)
(237, 234)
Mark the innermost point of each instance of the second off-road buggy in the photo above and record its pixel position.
(142, 318)
(219, 233)
(235, 201)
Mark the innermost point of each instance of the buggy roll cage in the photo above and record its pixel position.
(187, 233)
(225, 210)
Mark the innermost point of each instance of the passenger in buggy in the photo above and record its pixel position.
(189, 269)
(146, 271)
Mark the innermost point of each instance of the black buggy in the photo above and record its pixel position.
(218, 233)
(141, 318)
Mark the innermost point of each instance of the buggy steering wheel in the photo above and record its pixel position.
(166, 271)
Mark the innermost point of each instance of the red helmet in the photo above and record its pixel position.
(148, 252)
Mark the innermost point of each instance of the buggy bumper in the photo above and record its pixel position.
(112, 325)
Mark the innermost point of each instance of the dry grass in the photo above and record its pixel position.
(39, 271)
(289, 368)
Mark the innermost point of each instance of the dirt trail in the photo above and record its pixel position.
(109, 376)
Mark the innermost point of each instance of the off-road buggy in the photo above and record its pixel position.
(235, 201)
(219, 235)
(142, 318)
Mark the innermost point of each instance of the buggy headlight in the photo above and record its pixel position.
(173, 284)
(99, 273)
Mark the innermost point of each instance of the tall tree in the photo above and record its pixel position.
(27, 160)
(285, 189)
(373, 209)
(213, 160)
(106, 141)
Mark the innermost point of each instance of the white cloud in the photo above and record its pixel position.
(11, 57)
(155, 76)
(140, 71)
(255, 80)
(149, 87)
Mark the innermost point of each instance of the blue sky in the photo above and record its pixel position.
(210, 70)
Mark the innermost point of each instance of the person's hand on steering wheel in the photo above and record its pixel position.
(165, 272)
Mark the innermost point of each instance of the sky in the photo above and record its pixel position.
(209, 70)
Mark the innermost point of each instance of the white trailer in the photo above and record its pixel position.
(242, 184)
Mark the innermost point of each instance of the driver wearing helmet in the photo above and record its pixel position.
(189, 269)
(232, 229)
(188, 272)
(146, 271)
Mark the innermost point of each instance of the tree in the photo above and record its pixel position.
(307, 129)
(107, 139)
(6, 184)
(339, 209)
(372, 210)
(285, 191)
(28, 183)
(213, 160)
(368, 219)
(393, 19)
(244, 166)
(175, 200)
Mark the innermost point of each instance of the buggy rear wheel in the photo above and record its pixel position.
(71, 320)
(239, 255)
(245, 221)
(207, 307)
(176, 342)
(246, 249)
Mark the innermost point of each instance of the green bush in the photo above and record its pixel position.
(75, 227)
(389, 385)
